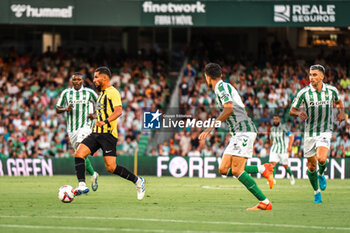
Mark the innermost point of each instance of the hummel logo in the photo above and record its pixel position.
(245, 140)
(107, 151)
(244, 144)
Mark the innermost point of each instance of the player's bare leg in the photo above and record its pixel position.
(112, 167)
(237, 168)
(225, 165)
(80, 154)
(322, 153)
(313, 177)
(291, 176)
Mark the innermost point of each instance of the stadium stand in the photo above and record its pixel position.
(30, 86)
(266, 85)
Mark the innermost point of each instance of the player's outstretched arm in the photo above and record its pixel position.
(291, 141)
(226, 113)
(340, 107)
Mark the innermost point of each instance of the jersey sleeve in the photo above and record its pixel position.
(62, 101)
(335, 94)
(299, 99)
(114, 98)
(93, 96)
(223, 95)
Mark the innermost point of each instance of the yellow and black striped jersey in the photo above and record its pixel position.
(107, 100)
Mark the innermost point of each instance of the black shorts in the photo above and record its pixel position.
(105, 141)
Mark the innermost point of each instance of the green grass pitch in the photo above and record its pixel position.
(30, 204)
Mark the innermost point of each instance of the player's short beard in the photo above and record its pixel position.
(276, 123)
(98, 87)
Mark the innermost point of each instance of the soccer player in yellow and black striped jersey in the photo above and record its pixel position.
(105, 135)
(106, 102)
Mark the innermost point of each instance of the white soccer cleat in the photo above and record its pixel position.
(292, 180)
(81, 189)
(94, 184)
(140, 188)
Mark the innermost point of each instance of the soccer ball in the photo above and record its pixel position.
(65, 194)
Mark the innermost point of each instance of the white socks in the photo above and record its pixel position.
(266, 201)
(82, 184)
(261, 168)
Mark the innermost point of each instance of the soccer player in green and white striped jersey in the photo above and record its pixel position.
(243, 133)
(78, 102)
(314, 105)
(281, 140)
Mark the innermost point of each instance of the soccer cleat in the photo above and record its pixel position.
(322, 182)
(262, 206)
(292, 180)
(140, 188)
(81, 189)
(268, 174)
(274, 182)
(317, 198)
(94, 184)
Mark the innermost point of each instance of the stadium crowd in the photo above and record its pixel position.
(31, 84)
(265, 90)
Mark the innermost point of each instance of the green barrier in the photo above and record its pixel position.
(187, 13)
(176, 166)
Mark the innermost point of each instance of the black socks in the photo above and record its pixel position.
(80, 169)
(123, 172)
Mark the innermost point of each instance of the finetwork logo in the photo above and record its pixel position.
(304, 13)
(151, 120)
(282, 13)
(35, 12)
(169, 7)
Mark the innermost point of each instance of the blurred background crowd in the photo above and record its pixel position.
(267, 85)
(30, 86)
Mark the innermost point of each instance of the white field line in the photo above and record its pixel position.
(111, 229)
(173, 231)
(191, 222)
(56, 227)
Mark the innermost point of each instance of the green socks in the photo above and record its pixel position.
(250, 184)
(289, 171)
(251, 169)
(88, 167)
(274, 171)
(313, 177)
(321, 168)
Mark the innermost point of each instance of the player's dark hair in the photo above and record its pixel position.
(104, 70)
(318, 67)
(78, 74)
(213, 70)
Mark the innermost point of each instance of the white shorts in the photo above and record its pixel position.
(277, 157)
(311, 144)
(78, 136)
(241, 145)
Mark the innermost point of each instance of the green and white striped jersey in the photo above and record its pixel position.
(239, 120)
(318, 107)
(280, 139)
(82, 101)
